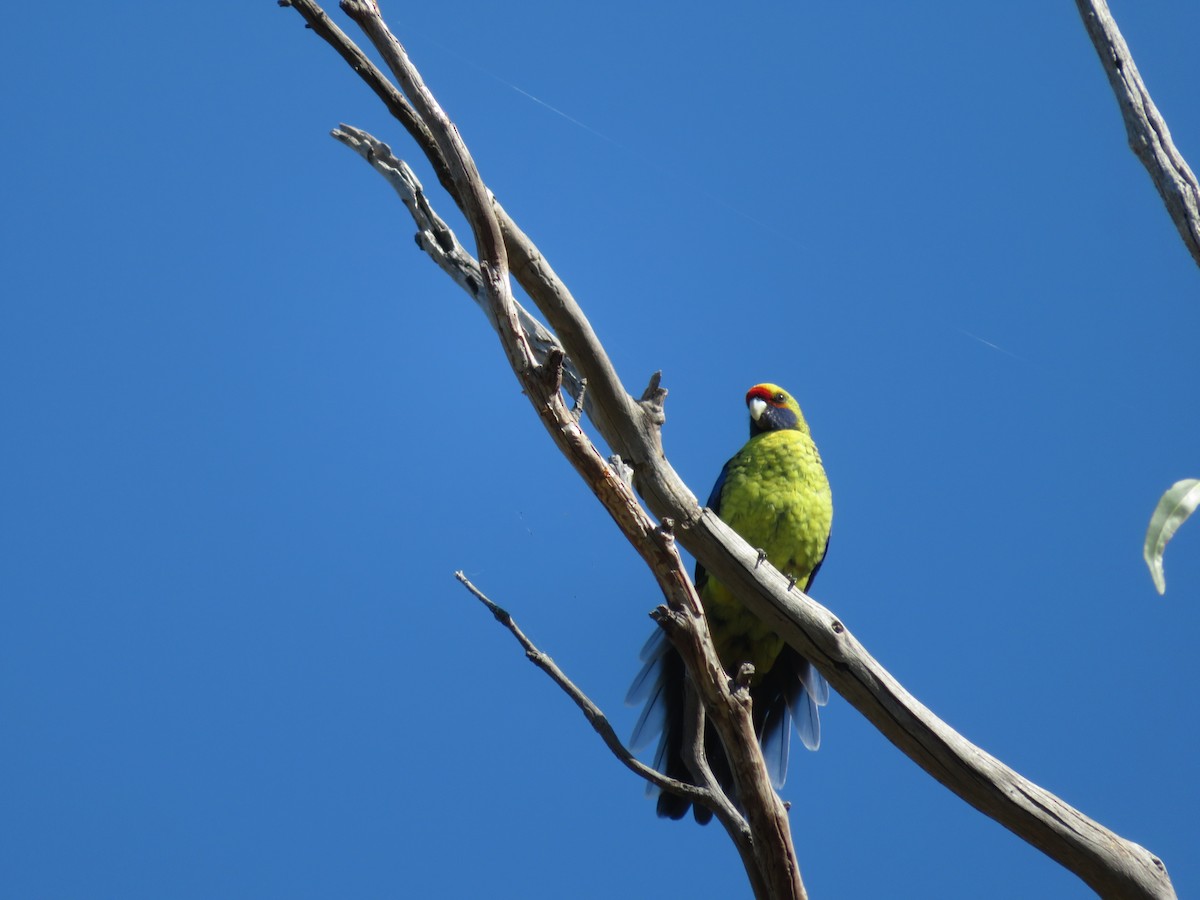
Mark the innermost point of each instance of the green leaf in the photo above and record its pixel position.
(1172, 511)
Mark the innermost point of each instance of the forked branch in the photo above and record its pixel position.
(1113, 866)
(710, 794)
(772, 868)
(591, 711)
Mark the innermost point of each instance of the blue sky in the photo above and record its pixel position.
(251, 433)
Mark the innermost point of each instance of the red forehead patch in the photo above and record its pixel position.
(762, 392)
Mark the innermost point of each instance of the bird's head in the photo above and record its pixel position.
(773, 409)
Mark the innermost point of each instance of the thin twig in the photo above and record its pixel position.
(438, 240)
(595, 716)
(708, 792)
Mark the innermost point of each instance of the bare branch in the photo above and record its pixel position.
(773, 869)
(1111, 865)
(591, 711)
(1149, 137)
(473, 197)
(529, 267)
(440, 243)
(728, 705)
(392, 98)
(708, 794)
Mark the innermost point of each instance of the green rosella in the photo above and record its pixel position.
(773, 493)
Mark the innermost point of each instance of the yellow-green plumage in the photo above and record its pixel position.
(775, 494)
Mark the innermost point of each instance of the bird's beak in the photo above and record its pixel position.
(757, 407)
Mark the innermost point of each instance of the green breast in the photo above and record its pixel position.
(776, 496)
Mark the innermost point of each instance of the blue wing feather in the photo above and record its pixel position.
(653, 648)
(810, 691)
(713, 503)
(714, 499)
(776, 742)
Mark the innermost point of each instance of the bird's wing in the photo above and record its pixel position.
(713, 503)
(820, 562)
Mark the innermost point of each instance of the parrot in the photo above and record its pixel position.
(775, 494)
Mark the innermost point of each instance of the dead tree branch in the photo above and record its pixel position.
(440, 243)
(592, 712)
(709, 793)
(1149, 137)
(771, 864)
(1111, 865)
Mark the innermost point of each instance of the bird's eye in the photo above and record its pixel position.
(780, 397)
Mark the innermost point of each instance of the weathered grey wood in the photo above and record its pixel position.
(1147, 130)
(1111, 865)
(440, 243)
(771, 864)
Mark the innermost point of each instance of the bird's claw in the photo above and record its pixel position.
(762, 555)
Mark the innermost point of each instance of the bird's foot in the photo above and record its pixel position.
(762, 555)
